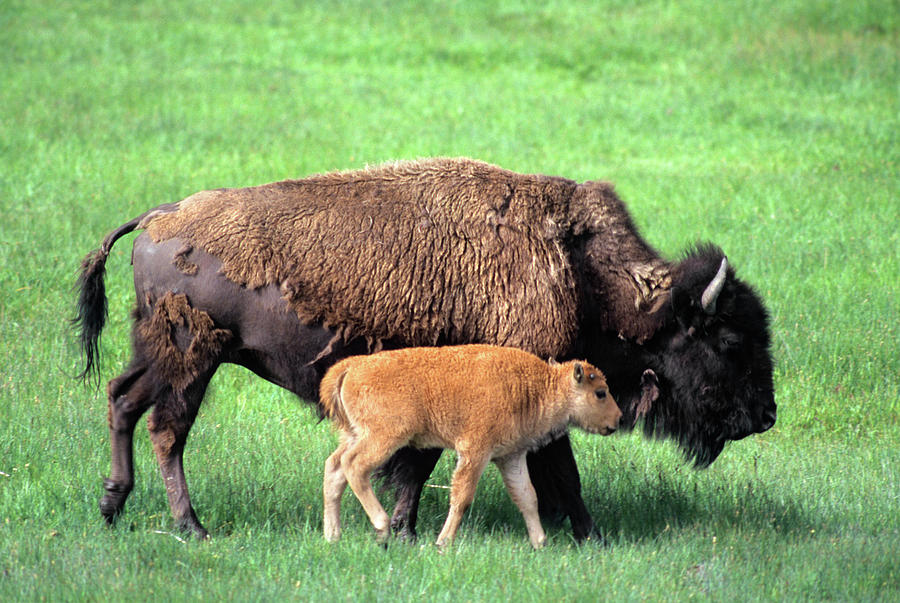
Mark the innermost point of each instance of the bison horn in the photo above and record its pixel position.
(711, 294)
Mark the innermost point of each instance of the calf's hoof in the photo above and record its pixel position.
(538, 543)
(382, 536)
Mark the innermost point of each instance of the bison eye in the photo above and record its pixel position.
(601, 393)
(731, 340)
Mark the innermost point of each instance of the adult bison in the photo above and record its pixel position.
(287, 278)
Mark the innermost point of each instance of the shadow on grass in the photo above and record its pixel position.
(636, 506)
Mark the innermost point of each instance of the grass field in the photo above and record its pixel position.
(769, 127)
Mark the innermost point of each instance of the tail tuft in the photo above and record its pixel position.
(91, 311)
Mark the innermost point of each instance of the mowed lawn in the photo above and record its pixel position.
(770, 128)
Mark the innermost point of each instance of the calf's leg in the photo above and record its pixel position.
(333, 486)
(361, 458)
(553, 473)
(469, 468)
(514, 470)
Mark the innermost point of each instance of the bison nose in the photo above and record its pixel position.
(768, 419)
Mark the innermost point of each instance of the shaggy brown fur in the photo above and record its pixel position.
(485, 402)
(184, 340)
(455, 237)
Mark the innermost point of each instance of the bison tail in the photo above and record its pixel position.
(330, 396)
(91, 311)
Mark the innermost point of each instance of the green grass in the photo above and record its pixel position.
(770, 128)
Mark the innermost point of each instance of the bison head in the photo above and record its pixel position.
(712, 360)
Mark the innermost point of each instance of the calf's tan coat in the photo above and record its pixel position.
(488, 403)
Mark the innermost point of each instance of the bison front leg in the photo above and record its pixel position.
(130, 395)
(169, 425)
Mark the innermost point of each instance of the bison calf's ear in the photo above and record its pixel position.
(579, 373)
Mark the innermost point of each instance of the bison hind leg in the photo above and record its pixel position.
(333, 485)
(130, 395)
(186, 347)
(358, 462)
(407, 471)
(169, 424)
(177, 349)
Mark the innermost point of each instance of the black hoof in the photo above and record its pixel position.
(113, 501)
(110, 510)
(594, 538)
(193, 528)
(402, 531)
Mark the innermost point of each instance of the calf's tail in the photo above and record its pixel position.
(91, 308)
(330, 396)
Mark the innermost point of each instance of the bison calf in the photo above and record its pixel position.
(488, 403)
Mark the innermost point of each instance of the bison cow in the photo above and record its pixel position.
(489, 403)
(288, 278)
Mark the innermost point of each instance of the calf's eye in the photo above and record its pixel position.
(601, 393)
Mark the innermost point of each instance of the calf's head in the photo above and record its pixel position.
(592, 406)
